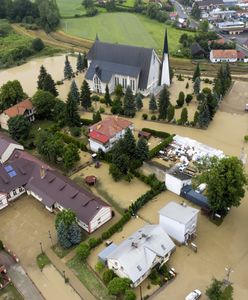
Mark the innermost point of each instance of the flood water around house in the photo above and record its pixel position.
(28, 73)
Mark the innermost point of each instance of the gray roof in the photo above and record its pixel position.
(105, 70)
(136, 254)
(177, 212)
(107, 251)
(175, 172)
(122, 55)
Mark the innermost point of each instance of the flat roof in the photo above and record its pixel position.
(178, 212)
(174, 171)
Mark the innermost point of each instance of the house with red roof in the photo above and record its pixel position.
(23, 108)
(104, 134)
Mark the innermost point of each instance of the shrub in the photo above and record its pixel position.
(188, 98)
(102, 100)
(145, 116)
(86, 122)
(155, 278)
(153, 152)
(75, 131)
(156, 133)
(83, 251)
(180, 78)
(94, 242)
(107, 276)
(187, 85)
(180, 100)
(246, 138)
(101, 110)
(95, 98)
(100, 266)
(153, 118)
(37, 45)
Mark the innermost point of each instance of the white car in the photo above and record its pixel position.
(194, 295)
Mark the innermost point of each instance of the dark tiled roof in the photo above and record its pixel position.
(5, 141)
(123, 55)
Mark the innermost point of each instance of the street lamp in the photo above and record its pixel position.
(41, 249)
(50, 236)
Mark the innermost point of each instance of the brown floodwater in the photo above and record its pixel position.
(28, 73)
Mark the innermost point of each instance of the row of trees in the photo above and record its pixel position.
(82, 64)
(44, 13)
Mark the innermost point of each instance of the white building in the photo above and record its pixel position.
(179, 221)
(175, 180)
(104, 134)
(136, 67)
(228, 55)
(135, 257)
(24, 108)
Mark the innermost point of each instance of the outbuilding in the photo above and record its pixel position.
(179, 221)
(175, 180)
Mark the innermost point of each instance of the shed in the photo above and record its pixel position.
(188, 193)
(144, 134)
(197, 51)
(179, 221)
(105, 252)
(90, 180)
(176, 179)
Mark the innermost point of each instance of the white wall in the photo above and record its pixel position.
(165, 79)
(8, 152)
(154, 72)
(15, 193)
(173, 228)
(3, 201)
(95, 146)
(4, 121)
(100, 218)
(174, 184)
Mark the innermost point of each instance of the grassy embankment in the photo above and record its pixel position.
(10, 293)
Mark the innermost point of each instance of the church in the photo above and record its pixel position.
(137, 67)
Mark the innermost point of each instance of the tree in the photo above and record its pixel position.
(10, 94)
(49, 85)
(219, 291)
(88, 3)
(85, 95)
(85, 61)
(115, 172)
(204, 115)
(153, 103)
(196, 118)
(83, 251)
(72, 116)
(129, 295)
(74, 91)
(41, 77)
(107, 276)
(80, 63)
(74, 233)
(117, 108)
(37, 44)
(196, 12)
(97, 117)
(59, 112)
(70, 155)
(63, 238)
(118, 91)
(128, 143)
(203, 26)
(138, 102)
(197, 86)
(142, 150)
(184, 115)
(188, 98)
(68, 72)
(170, 113)
(226, 182)
(118, 286)
(107, 98)
(44, 103)
(163, 103)
(66, 216)
(180, 100)
(129, 103)
(19, 127)
(197, 72)
(48, 15)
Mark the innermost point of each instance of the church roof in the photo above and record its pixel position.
(121, 58)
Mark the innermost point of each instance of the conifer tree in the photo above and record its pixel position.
(163, 103)
(85, 61)
(49, 85)
(196, 118)
(129, 103)
(153, 103)
(184, 115)
(142, 150)
(107, 98)
(180, 100)
(138, 102)
(197, 86)
(96, 117)
(85, 96)
(197, 73)
(204, 115)
(72, 116)
(170, 113)
(74, 91)
(129, 144)
(117, 108)
(41, 77)
(68, 72)
(80, 63)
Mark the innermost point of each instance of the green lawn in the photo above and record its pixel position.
(10, 293)
(42, 260)
(69, 8)
(123, 28)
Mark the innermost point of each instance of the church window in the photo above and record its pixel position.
(124, 83)
(117, 81)
(97, 85)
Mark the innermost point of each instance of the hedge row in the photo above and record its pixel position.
(87, 122)
(159, 134)
(150, 180)
(153, 152)
(69, 139)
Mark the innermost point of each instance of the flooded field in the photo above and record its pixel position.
(28, 73)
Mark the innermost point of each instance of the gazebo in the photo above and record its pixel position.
(90, 180)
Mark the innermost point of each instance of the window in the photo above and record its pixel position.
(14, 192)
(117, 81)
(8, 196)
(1, 202)
(124, 83)
(20, 189)
(132, 84)
(97, 85)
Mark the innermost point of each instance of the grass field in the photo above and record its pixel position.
(10, 293)
(69, 8)
(123, 28)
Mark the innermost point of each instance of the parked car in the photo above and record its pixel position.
(194, 295)
(201, 188)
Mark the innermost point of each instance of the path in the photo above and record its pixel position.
(73, 280)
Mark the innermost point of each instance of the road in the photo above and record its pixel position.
(183, 14)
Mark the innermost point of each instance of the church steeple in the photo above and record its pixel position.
(165, 68)
(97, 38)
(166, 48)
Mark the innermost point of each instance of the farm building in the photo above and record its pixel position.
(175, 180)
(179, 221)
(104, 134)
(136, 67)
(24, 108)
(135, 257)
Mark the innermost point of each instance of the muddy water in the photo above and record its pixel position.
(28, 73)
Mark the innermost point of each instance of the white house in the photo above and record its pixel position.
(175, 180)
(7, 147)
(137, 67)
(23, 108)
(104, 134)
(135, 257)
(179, 221)
(228, 55)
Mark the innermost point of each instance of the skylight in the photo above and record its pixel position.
(12, 174)
(8, 168)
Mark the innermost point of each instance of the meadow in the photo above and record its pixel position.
(70, 8)
(123, 28)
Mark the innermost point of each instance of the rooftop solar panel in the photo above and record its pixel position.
(12, 174)
(8, 168)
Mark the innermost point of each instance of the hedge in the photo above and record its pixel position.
(87, 122)
(150, 180)
(159, 134)
(69, 139)
(153, 152)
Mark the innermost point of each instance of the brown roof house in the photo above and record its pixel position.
(104, 134)
(23, 172)
(228, 55)
(23, 108)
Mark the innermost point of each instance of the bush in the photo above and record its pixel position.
(180, 78)
(161, 146)
(86, 122)
(94, 242)
(246, 138)
(95, 98)
(156, 133)
(38, 45)
(188, 98)
(83, 251)
(100, 266)
(153, 118)
(107, 276)
(91, 11)
(155, 278)
(145, 116)
(101, 110)
(102, 100)
(75, 131)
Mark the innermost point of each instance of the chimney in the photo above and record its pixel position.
(42, 172)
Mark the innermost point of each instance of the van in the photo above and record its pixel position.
(201, 188)
(194, 295)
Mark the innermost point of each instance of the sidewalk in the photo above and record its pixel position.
(76, 284)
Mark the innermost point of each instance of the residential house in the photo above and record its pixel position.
(23, 108)
(197, 51)
(7, 146)
(104, 134)
(137, 67)
(228, 55)
(179, 221)
(136, 256)
(22, 173)
(231, 27)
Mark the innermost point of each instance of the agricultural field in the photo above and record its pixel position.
(123, 28)
(70, 8)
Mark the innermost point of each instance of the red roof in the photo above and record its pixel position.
(229, 53)
(99, 137)
(19, 109)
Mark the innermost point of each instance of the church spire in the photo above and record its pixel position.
(97, 38)
(166, 48)
(165, 67)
